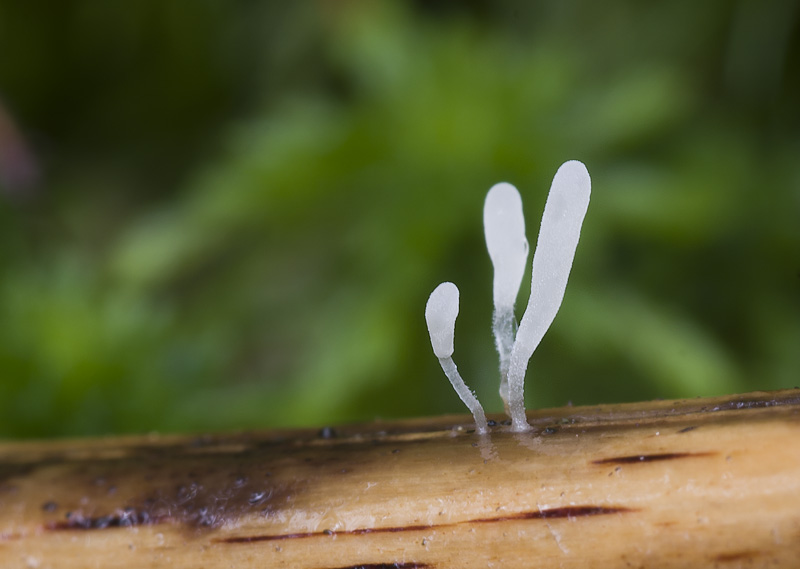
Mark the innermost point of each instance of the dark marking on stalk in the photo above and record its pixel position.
(326, 533)
(188, 490)
(565, 512)
(638, 458)
(754, 404)
(125, 518)
(736, 556)
(687, 429)
(9, 471)
(552, 513)
(208, 499)
(412, 565)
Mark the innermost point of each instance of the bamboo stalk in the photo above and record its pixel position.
(690, 483)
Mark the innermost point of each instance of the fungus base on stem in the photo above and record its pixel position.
(466, 394)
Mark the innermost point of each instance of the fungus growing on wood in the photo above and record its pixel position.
(552, 260)
(441, 312)
(504, 226)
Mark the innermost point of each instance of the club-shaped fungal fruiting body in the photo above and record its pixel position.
(440, 314)
(504, 225)
(552, 261)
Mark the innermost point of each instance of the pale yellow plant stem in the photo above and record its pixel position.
(691, 483)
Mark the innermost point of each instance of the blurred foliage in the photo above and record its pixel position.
(239, 209)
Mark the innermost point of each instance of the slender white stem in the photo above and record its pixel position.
(504, 325)
(466, 394)
(504, 227)
(555, 250)
(441, 312)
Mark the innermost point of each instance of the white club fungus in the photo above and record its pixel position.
(441, 312)
(504, 226)
(552, 260)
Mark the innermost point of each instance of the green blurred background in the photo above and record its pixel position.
(225, 215)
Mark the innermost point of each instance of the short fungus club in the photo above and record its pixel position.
(504, 225)
(440, 314)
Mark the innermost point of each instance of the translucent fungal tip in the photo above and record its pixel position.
(441, 312)
(572, 180)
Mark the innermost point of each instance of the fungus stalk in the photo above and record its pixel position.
(441, 312)
(552, 260)
(504, 226)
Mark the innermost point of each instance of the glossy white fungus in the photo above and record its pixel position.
(504, 226)
(441, 312)
(552, 260)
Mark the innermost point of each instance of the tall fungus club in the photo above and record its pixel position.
(504, 226)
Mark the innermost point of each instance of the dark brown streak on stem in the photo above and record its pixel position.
(411, 565)
(736, 556)
(327, 533)
(129, 518)
(567, 512)
(640, 458)
(752, 403)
